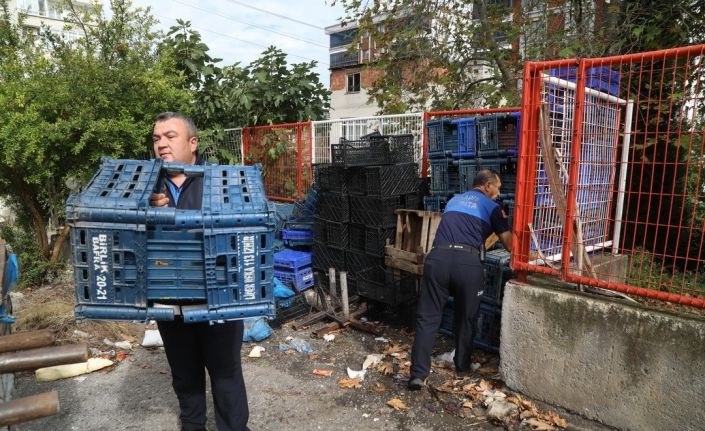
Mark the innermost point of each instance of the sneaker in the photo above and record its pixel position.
(415, 384)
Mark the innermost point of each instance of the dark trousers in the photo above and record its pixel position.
(447, 272)
(190, 349)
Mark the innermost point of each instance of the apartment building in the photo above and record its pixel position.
(38, 13)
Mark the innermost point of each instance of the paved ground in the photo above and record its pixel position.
(282, 391)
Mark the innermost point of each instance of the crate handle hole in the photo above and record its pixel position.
(263, 259)
(233, 242)
(135, 177)
(85, 274)
(226, 199)
(263, 241)
(104, 193)
(116, 258)
(244, 189)
(138, 168)
(246, 198)
(225, 173)
(86, 293)
(225, 182)
(126, 195)
(264, 293)
(82, 236)
(84, 257)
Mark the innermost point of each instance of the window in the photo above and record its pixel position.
(353, 83)
(343, 38)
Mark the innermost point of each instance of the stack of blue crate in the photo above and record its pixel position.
(130, 258)
(298, 230)
(293, 268)
(457, 150)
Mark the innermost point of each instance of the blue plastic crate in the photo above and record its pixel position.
(299, 280)
(128, 255)
(297, 234)
(467, 169)
(497, 272)
(467, 138)
(599, 78)
(489, 325)
(292, 259)
(442, 137)
(498, 135)
(296, 243)
(445, 178)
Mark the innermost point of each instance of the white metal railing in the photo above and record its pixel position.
(328, 132)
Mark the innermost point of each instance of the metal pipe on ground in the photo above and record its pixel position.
(29, 408)
(29, 360)
(26, 340)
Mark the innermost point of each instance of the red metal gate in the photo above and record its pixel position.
(611, 191)
(284, 150)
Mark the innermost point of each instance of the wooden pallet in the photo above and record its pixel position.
(416, 231)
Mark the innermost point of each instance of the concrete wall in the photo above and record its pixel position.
(628, 366)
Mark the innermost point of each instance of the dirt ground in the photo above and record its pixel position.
(283, 391)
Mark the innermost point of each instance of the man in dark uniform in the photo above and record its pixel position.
(191, 348)
(453, 267)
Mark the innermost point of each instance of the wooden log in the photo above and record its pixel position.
(29, 408)
(26, 340)
(29, 360)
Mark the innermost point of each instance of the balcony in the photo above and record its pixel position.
(340, 60)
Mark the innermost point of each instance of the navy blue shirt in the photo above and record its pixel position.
(190, 195)
(469, 219)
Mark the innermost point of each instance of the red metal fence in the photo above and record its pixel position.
(284, 150)
(611, 191)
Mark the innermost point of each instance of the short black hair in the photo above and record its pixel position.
(190, 125)
(485, 176)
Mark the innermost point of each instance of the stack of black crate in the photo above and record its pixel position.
(359, 191)
(457, 150)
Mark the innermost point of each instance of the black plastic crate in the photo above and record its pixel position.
(445, 178)
(356, 233)
(325, 257)
(376, 239)
(291, 309)
(337, 234)
(356, 180)
(497, 272)
(356, 262)
(333, 206)
(373, 150)
(330, 178)
(374, 211)
(409, 201)
(434, 203)
(300, 223)
(388, 286)
(320, 232)
(391, 180)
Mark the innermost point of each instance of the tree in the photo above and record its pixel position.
(267, 91)
(64, 104)
(451, 54)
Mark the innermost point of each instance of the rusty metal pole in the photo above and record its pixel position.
(29, 360)
(29, 408)
(26, 340)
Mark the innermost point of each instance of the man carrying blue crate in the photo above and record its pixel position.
(453, 268)
(193, 347)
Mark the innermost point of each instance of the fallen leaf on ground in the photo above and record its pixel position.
(385, 368)
(557, 420)
(540, 425)
(405, 369)
(486, 371)
(397, 404)
(324, 373)
(396, 348)
(312, 356)
(379, 388)
(349, 383)
(446, 387)
(484, 385)
(526, 414)
(467, 404)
